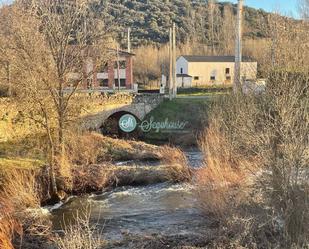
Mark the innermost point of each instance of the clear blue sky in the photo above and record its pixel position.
(285, 7)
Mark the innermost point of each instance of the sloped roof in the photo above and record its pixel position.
(199, 58)
(121, 52)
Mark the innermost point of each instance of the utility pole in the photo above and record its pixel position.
(170, 77)
(129, 40)
(118, 68)
(238, 48)
(174, 62)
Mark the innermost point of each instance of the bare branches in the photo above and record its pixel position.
(304, 9)
(46, 41)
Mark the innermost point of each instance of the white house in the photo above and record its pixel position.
(211, 70)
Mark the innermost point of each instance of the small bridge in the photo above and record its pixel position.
(114, 106)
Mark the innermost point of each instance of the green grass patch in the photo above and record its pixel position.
(179, 109)
(202, 93)
(193, 111)
(205, 91)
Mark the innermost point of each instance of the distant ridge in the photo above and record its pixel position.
(150, 19)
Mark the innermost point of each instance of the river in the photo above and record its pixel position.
(163, 209)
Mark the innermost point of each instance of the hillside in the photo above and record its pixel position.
(150, 19)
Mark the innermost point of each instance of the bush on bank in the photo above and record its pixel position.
(257, 164)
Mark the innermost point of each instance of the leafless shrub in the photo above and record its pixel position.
(223, 183)
(8, 225)
(80, 235)
(85, 149)
(261, 141)
(20, 203)
(284, 150)
(89, 178)
(21, 188)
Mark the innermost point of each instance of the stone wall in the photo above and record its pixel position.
(137, 104)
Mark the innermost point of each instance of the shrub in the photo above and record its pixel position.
(7, 224)
(178, 168)
(223, 183)
(20, 200)
(260, 144)
(81, 235)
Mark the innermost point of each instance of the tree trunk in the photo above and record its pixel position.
(52, 172)
(52, 175)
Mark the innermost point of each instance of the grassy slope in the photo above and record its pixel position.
(22, 142)
(19, 163)
(205, 90)
(191, 110)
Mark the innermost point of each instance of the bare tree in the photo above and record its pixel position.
(227, 37)
(48, 42)
(289, 43)
(214, 23)
(304, 9)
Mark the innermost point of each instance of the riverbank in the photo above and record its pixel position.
(92, 153)
(96, 163)
(190, 111)
(135, 216)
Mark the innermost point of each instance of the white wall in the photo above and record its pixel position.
(202, 72)
(102, 75)
(181, 63)
(185, 82)
(122, 73)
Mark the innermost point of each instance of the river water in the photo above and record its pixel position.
(163, 209)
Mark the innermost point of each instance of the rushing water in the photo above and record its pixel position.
(165, 209)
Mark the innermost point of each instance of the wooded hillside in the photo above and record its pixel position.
(196, 19)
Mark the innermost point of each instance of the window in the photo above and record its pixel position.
(122, 65)
(196, 78)
(213, 75)
(181, 70)
(227, 71)
(228, 78)
(122, 82)
(103, 82)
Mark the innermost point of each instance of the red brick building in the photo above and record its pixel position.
(104, 76)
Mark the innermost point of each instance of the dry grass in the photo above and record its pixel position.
(13, 125)
(81, 235)
(92, 148)
(223, 183)
(21, 213)
(90, 178)
(177, 164)
(256, 170)
(8, 224)
(21, 187)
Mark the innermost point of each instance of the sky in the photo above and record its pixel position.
(285, 7)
